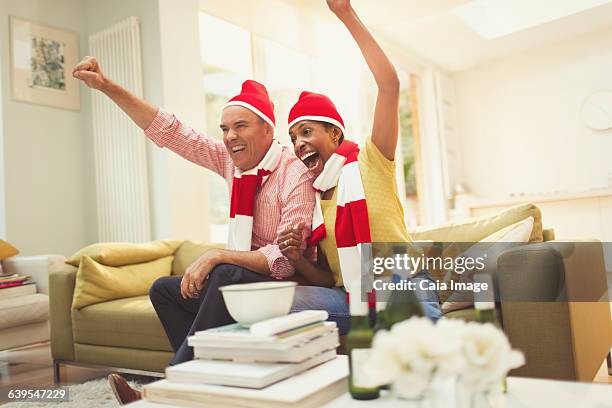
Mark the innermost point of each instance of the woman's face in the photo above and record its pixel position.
(314, 143)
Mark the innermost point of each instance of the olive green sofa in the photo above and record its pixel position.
(560, 340)
(122, 334)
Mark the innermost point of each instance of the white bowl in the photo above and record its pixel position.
(249, 303)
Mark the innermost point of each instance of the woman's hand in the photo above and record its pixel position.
(339, 7)
(197, 273)
(290, 243)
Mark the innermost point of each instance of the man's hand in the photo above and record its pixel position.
(197, 273)
(89, 71)
(290, 242)
(339, 7)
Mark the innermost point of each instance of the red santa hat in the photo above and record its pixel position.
(314, 106)
(254, 97)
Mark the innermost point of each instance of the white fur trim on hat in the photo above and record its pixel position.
(251, 108)
(318, 119)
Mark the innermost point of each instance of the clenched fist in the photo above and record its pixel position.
(89, 71)
(339, 7)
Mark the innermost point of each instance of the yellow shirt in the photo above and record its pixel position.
(385, 211)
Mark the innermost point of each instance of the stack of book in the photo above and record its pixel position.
(13, 285)
(289, 361)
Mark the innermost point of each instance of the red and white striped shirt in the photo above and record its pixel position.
(285, 199)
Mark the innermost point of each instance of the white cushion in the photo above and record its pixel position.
(512, 234)
(22, 310)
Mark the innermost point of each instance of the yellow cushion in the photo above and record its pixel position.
(188, 252)
(123, 253)
(475, 229)
(7, 250)
(97, 283)
(548, 234)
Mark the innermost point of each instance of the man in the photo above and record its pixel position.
(270, 188)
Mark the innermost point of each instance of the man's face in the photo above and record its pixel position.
(246, 136)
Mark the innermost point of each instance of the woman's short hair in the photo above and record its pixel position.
(328, 126)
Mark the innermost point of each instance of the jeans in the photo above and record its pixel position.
(181, 318)
(429, 298)
(333, 300)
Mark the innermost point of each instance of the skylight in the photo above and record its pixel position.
(497, 18)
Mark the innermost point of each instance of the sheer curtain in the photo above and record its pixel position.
(227, 61)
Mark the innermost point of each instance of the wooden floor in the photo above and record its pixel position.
(33, 367)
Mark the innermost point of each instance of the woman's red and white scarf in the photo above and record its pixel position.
(244, 188)
(352, 227)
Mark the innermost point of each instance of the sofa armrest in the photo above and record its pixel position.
(61, 288)
(561, 339)
(37, 267)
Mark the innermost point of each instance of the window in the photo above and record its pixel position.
(410, 147)
(226, 63)
(286, 73)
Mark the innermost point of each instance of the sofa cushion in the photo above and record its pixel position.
(22, 310)
(469, 315)
(130, 323)
(97, 283)
(492, 246)
(7, 250)
(475, 229)
(123, 253)
(188, 252)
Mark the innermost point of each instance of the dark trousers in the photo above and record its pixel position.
(181, 318)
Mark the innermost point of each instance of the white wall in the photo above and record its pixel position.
(182, 87)
(519, 122)
(48, 172)
(45, 170)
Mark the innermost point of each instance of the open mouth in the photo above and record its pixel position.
(238, 149)
(310, 159)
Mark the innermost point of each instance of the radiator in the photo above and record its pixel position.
(119, 145)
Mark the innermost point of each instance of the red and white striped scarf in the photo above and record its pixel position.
(352, 227)
(244, 188)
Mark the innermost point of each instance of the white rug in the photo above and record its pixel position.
(92, 394)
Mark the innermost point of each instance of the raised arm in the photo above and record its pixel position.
(162, 128)
(386, 120)
(140, 111)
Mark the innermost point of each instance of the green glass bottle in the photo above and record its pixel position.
(402, 305)
(358, 344)
(381, 324)
(484, 304)
(381, 317)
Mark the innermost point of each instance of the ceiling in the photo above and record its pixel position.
(431, 31)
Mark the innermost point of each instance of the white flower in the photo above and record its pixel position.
(416, 336)
(383, 365)
(451, 358)
(410, 385)
(415, 352)
(488, 356)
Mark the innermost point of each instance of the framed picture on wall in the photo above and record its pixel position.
(42, 59)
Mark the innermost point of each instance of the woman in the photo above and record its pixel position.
(361, 180)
